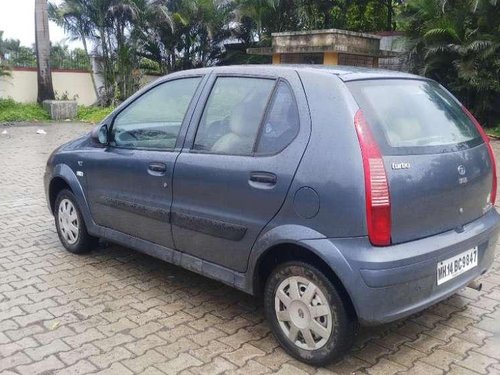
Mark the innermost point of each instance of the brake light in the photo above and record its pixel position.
(486, 139)
(378, 203)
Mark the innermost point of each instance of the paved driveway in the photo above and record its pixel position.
(115, 311)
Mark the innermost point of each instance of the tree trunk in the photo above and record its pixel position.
(122, 76)
(105, 60)
(390, 13)
(42, 40)
(85, 48)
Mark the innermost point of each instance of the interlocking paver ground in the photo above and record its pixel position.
(116, 311)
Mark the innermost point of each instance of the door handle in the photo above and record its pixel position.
(157, 168)
(264, 178)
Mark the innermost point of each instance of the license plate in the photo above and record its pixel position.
(457, 265)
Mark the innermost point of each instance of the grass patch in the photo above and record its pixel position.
(494, 132)
(13, 111)
(93, 114)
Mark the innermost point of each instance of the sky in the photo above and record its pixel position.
(17, 22)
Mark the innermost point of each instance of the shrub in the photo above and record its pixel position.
(13, 111)
(93, 114)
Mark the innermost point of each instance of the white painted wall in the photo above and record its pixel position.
(22, 85)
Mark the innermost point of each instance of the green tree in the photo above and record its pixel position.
(155, 36)
(108, 24)
(457, 42)
(4, 69)
(13, 54)
(169, 35)
(355, 15)
(73, 17)
(183, 34)
(258, 11)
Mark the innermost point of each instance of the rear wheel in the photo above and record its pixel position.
(307, 314)
(70, 225)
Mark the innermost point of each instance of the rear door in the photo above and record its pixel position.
(234, 173)
(438, 166)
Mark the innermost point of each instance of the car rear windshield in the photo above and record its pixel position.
(413, 114)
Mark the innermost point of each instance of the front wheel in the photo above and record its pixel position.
(307, 315)
(70, 225)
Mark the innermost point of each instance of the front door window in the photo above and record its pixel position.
(153, 121)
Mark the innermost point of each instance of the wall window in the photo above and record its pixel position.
(154, 120)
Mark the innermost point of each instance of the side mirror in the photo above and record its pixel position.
(100, 134)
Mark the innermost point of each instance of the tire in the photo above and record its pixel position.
(70, 225)
(329, 335)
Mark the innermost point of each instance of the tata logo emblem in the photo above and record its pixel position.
(461, 170)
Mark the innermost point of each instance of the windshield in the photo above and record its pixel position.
(413, 113)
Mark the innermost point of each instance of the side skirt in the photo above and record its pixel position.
(214, 271)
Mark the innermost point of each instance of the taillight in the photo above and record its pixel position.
(486, 139)
(378, 203)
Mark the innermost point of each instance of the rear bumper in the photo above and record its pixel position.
(388, 283)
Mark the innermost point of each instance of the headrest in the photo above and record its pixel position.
(245, 119)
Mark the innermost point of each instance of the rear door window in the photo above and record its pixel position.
(414, 116)
(281, 124)
(233, 115)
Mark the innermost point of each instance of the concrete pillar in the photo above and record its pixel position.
(330, 58)
(276, 58)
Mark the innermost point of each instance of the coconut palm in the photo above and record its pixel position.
(73, 17)
(42, 44)
(155, 34)
(256, 10)
(183, 34)
(201, 31)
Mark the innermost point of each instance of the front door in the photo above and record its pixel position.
(235, 173)
(129, 183)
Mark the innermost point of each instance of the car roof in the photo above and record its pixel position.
(346, 73)
(351, 73)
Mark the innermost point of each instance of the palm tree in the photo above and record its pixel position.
(154, 33)
(73, 17)
(42, 40)
(256, 10)
(202, 29)
(122, 16)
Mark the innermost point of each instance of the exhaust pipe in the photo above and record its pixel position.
(475, 285)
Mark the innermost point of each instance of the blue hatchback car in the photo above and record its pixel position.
(341, 195)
